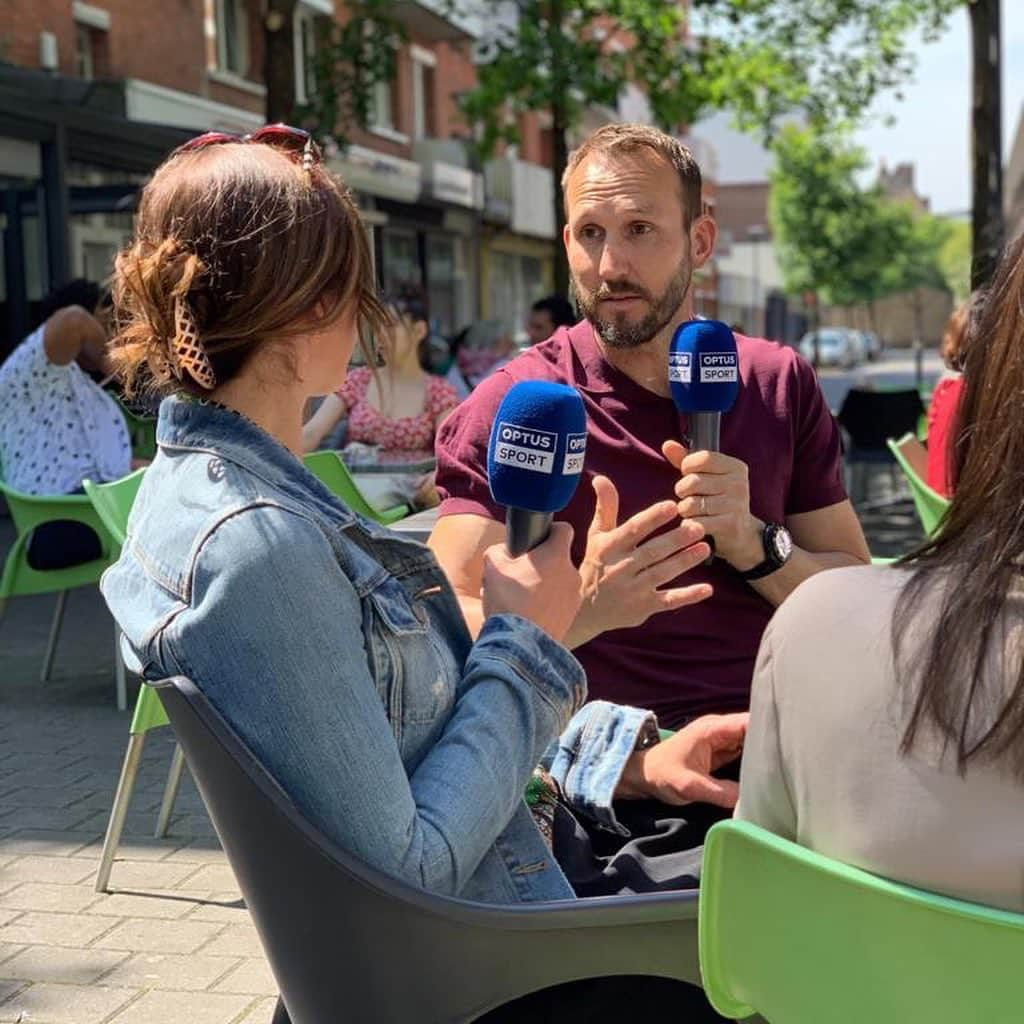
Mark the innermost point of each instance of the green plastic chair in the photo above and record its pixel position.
(113, 503)
(334, 475)
(19, 579)
(106, 500)
(141, 430)
(802, 939)
(930, 505)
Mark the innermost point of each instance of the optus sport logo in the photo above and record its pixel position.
(718, 367)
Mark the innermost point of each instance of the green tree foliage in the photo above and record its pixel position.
(762, 59)
(955, 260)
(831, 234)
(848, 244)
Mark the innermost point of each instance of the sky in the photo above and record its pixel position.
(931, 126)
(931, 123)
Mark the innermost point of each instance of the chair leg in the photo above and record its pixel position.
(170, 792)
(119, 672)
(51, 646)
(119, 811)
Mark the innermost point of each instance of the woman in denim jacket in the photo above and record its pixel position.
(335, 649)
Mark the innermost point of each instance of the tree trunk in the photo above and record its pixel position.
(560, 140)
(279, 62)
(560, 150)
(986, 140)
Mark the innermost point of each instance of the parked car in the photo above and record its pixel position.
(837, 346)
(873, 345)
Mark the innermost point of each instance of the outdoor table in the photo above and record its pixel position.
(418, 525)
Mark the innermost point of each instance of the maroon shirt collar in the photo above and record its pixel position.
(598, 376)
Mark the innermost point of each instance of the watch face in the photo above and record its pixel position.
(782, 544)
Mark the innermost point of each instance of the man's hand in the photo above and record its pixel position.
(678, 770)
(622, 571)
(715, 492)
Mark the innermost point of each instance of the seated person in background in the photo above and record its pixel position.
(547, 315)
(395, 409)
(942, 411)
(887, 714)
(478, 351)
(313, 630)
(635, 233)
(58, 427)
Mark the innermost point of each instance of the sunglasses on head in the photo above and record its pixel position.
(281, 136)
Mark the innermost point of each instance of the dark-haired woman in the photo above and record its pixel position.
(887, 717)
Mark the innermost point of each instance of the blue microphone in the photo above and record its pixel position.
(704, 375)
(535, 458)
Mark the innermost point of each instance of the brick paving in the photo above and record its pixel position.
(172, 942)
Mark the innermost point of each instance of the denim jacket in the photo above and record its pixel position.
(338, 653)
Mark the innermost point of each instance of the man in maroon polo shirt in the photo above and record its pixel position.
(659, 629)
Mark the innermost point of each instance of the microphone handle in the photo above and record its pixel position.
(705, 436)
(705, 431)
(524, 530)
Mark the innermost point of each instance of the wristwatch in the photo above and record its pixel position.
(778, 546)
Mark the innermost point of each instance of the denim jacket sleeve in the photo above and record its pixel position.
(290, 645)
(589, 756)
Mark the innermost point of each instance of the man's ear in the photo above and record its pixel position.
(703, 234)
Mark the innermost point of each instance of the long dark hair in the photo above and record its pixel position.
(978, 553)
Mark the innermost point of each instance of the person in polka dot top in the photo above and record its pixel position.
(398, 409)
(58, 427)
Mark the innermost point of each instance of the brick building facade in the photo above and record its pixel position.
(477, 239)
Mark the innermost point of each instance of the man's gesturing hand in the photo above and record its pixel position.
(678, 770)
(715, 491)
(623, 570)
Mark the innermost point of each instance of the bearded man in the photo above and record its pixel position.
(660, 628)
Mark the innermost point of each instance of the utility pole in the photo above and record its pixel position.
(986, 139)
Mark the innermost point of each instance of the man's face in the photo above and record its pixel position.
(630, 254)
(539, 326)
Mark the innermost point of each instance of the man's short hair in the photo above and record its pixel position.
(627, 139)
(558, 307)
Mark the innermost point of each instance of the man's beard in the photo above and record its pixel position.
(618, 331)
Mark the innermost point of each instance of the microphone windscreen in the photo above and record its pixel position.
(538, 441)
(703, 367)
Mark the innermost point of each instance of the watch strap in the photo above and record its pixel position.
(762, 569)
(771, 562)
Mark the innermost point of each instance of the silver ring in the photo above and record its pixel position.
(703, 505)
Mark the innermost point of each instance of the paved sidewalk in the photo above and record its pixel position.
(173, 942)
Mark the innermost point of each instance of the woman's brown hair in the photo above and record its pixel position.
(245, 246)
(977, 558)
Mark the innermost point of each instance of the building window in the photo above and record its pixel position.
(232, 24)
(384, 105)
(424, 119)
(305, 52)
(90, 52)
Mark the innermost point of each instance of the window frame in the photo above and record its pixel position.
(305, 79)
(241, 26)
(424, 111)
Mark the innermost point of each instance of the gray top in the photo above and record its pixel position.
(822, 764)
